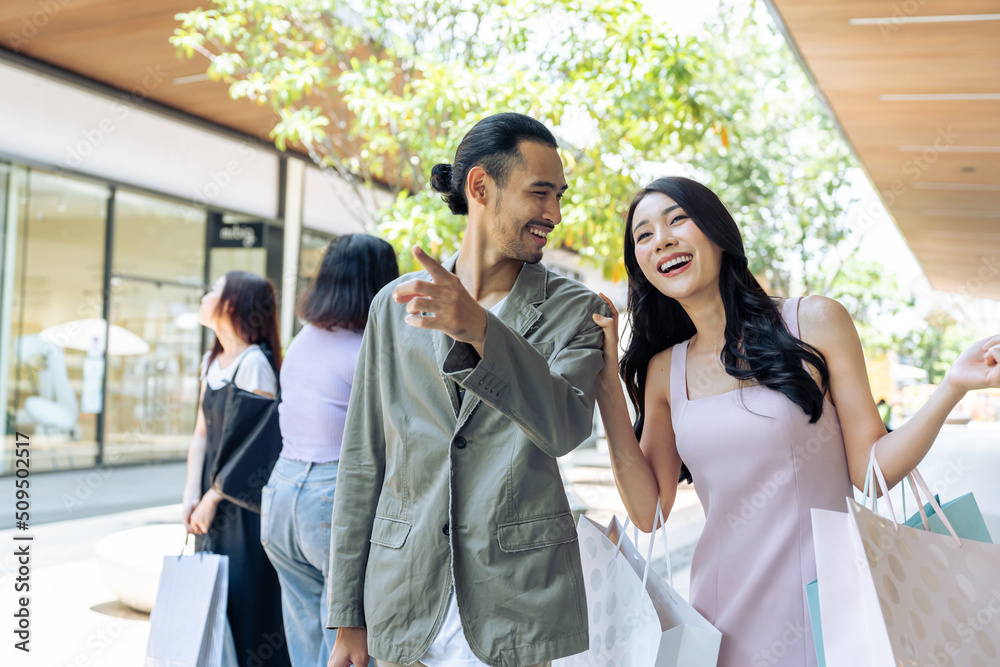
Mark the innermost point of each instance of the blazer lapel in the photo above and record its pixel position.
(518, 312)
(442, 343)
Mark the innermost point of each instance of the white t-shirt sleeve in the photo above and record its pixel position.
(256, 374)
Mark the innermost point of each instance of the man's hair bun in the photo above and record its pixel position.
(441, 178)
(454, 197)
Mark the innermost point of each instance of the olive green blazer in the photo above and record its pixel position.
(433, 490)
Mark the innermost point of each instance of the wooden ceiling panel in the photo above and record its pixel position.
(118, 43)
(876, 74)
(887, 166)
(856, 66)
(804, 11)
(918, 199)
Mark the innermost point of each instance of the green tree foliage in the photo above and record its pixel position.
(935, 347)
(783, 169)
(380, 91)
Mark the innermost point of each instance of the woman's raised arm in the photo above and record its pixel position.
(647, 469)
(826, 324)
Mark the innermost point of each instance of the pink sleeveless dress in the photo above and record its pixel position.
(759, 467)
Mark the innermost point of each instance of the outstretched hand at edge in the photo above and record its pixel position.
(978, 367)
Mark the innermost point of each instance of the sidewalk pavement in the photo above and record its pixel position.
(78, 494)
(77, 622)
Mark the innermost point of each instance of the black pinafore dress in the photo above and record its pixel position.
(254, 602)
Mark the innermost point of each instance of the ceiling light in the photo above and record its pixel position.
(989, 187)
(950, 149)
(946, 18)
(959, 213)
(194, 78)
(968, 236)
(940, 97)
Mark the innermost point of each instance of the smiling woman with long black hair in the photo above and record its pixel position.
(744, 391)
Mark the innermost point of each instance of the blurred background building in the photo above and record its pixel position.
(127, 184)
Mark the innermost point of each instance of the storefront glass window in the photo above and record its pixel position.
(8, 250)
(156, 286)
(158, 239)
(56, 333)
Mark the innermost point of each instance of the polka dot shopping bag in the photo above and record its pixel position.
(895, 596)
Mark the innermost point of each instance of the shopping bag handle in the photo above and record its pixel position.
(187, 538)
(871, 489)
(666, 547)
(916, 482)
(916, 479)
(658, 522)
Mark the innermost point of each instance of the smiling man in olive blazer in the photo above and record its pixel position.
(452, 535)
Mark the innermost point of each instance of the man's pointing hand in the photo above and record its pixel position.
(442, 304)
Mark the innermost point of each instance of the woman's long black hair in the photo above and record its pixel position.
(758, 347)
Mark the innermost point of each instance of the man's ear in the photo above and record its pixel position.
(479, 186)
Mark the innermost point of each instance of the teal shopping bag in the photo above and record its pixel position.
(965, 517)
(812, 597)
(963, 513)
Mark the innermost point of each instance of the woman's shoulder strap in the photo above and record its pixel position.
(678, 373)
(790, 313)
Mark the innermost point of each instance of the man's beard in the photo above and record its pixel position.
(514, 249)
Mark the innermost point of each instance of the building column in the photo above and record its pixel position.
(294, 196)
(9, 226)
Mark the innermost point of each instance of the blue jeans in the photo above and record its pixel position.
(296, 508)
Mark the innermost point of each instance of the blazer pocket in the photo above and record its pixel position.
(390, 533)
(536, 533)
(544, 348)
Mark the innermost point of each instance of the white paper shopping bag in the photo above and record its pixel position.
(188, 626)
(636, 618)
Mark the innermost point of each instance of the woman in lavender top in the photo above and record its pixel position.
(316, 378)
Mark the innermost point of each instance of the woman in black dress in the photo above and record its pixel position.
(241, 309)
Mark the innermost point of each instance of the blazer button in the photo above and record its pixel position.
(459, 442)
(446, 530)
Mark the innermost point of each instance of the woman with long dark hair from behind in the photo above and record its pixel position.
(241, 309)
(745, 391)
(316, 381)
